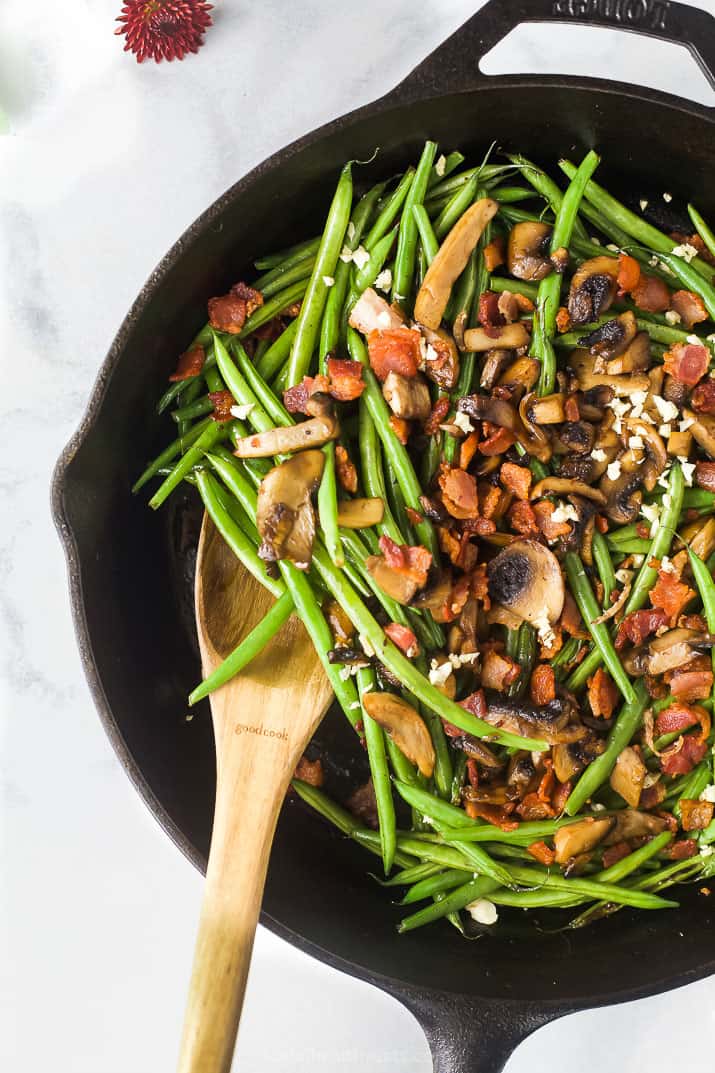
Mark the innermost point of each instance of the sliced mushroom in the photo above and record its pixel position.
(404, 726)
(703, 430)
(371, 313)
(526, 579)
(635, 358)
(407, 398)
(450, 262)
(528, 250)
(653, 443)
(360, 513)
(435, 597)
(582, 363)
(547, 410)
(442, 359)
(566, 764)
(511, 336)
(610, 339)
(630, 823)
(593, 289)
(524, 371)
(560, 486)
(594, 403)
(285, 440)
(395, 583)
(580, 837)
(575, 438)
(675, 391)
(700, 536)
(534, 439)
(623, 494)
(485, 408)
(628, 776)
(285, 517)
(550, 722)
(676, 648)
(495, 362)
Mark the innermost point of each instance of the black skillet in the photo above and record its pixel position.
(130, 571)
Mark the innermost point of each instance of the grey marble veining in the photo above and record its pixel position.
(107, 162)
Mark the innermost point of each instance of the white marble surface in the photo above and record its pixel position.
(106, 163)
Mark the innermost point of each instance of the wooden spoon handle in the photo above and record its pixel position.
(253, 775)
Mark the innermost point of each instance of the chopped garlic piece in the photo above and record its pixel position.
(384, 280)
(688, 469)
(667, 566)
(651, 512)
(612, 247)
(667, 197)
(664, 431)
(686, 423)
(242, 411)
(459, 660)
(544, 630)
(708, 794)
(365, 645)
(360, 257)
(694, 339)
(636, 443)
(483, 911)
(440, 165)
(668, 410)
(462, 422)
(598, 454)
(624, 576)
(613, 471)
(672, 317)
(346, 255)
(351, 231)
(328, 281)
(643, 204)
(439, 673)
(686, 251)
(564, 512)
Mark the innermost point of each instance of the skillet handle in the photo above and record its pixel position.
(475, 1037)
(454, 66)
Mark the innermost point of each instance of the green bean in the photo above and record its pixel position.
(328, 507)
(446, 165)
(182, 443)
(367, 275)
(389, 211)
(407, 238)
(627, 865)
(289, 256)
(588, 888)
(458, 899)
(483, 863)
(604, 565)
(455, 208)
(436, 852)
(375, 743)
(672, 505)
(691, 279)
(407, 876)
(211, 434)
(625, 726)
(692, 787)
(525, 657)
(174, 390)
(239, 388)
(316, 294)
(425, 888)
(297, 273)
(566, 655)
(706, 588)
(273, 360)
(192, 410)
(458, 775)
(273, 307)
(705, 232)
(536, 899)
(513, 286)
(250, 647)
(527, 832)
(545, 186)
(429, 241)
(267, 399)
(583, 594)
(438, 812)
(371, 470)
(509, 195)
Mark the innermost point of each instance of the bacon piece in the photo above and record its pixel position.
(522, 519)
(516, 479)
(542, 687)
(395, 351)
(414, 516)
(229, 312)
(690, 306)
(571, 621)
(345, 469)
(695, 815)
(693, 622)
(400, 427)
(459, 549)
(639, 625)
(687, 684)
(363, 804)
(563, 320)
(346, 382)
(651, 295)
(705, 475)
(561, 795)
(190, 363)
(629, 274)
(222, 403)
(602, 694)
(474, 703)
(551, 530)
(494, 253)
(498, 442)
(414, 561)
(489, 499)
(542, 853)
(479, 586)
(459, 493)
(295, 399)
(601, 523)
(436, 418)
(534, 807)
(472, 772)
(652, 796)
(468, 449)
(671, 594)
(441, 362)
(498, 671)
(681, 850)
(488, 313)
(683, 755)
(310, 771)
(615, 853)
(686, 362)
(675, 717)
(404, 638)
(494, 814)
(703, 398)
(571, 410)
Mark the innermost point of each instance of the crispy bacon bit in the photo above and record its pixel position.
(414, 516)
(442, 363)
(475, 703)
(488, 313)
(401, 428)
(190, 363)
(602, 694)
(480, 526)
(522, 519)
(561, 795)
(686, 362)
(345, 469)
(516, 479)
(436, 418)
(542, 853)
(404, 638)
(473, 772)
(690, 306)
(495, 814)
(680, 851)
(675, 717)
(639, 625)
(571, 621)
(525, 304)
(489, 499)
(346, 382)
(652, 796)
(495, 253)
(310, 771)
(695, 815)
(563, 320)
(534, 807)
(498, 671)
(397, 350)
(542, 687)
(508, 306)
(363, 804)
(682, 756)
(670, 594)
(629, 274)
(651, 295)
(459, 549)
(497, 442)
(703, 398)
(414, 561)
(571, 410)
(615, 853)
(687, 684)
(295, 399)
(705, 475)
(468, 449)
(480, 585)
(551, 530)
(601, 523)
(229, 312)
(459, 493)
(222, 403)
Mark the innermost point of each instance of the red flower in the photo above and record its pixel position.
(163, 29)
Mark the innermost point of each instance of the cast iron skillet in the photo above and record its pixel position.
(130, 572)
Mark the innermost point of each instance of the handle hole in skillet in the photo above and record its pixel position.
(600, 53)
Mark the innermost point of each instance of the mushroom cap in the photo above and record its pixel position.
(528, 250)
(285, 517)
(526, 579)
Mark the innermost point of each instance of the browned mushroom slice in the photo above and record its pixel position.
(511, 336)
(580, 837)
(524, 371)
(282, 441)
(653, 445)
(547, 410)
(566, 763)
(360, 513)
(703, 430)
(630, 823)
(450, 262)
(634, 358)
(593, 289)
(550, 722)
(526, 579)
(575, 438)
(409, 399)
(485, 408)
(610, 339)
(285, 517)
(672, 649)
(700, 536)
(628, 776)
(562, 487)
(495, 362)
(371, 313)
(528, 250)
(533, 438)
(582, 364)
(401, 585)
(404, 726)
(623, 493)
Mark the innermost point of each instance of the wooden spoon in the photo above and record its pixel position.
(262, 722)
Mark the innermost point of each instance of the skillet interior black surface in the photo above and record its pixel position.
(131, 570)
